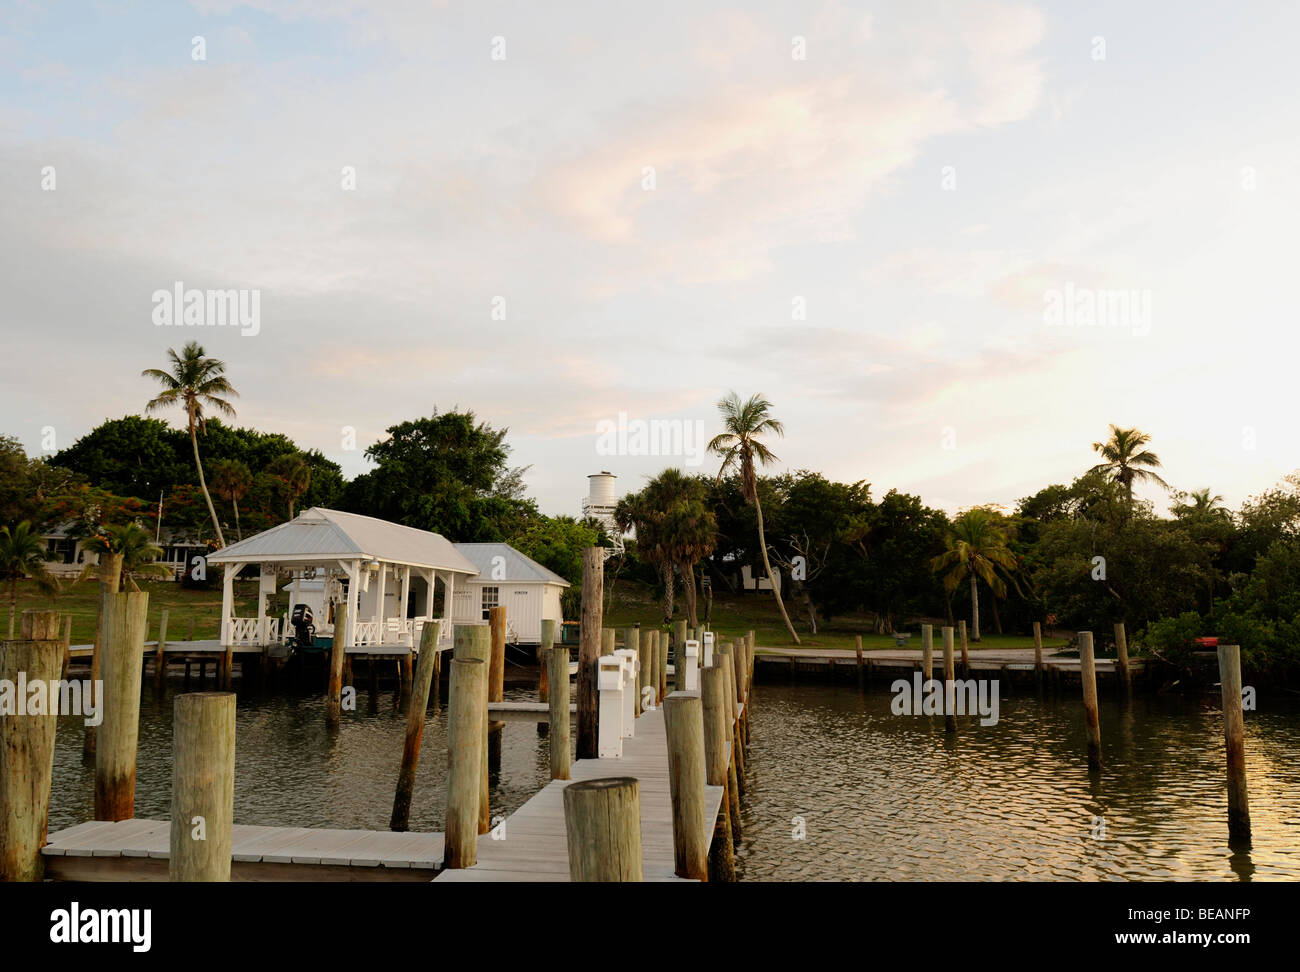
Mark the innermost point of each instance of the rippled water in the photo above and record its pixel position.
(889, 798)
(882, 797)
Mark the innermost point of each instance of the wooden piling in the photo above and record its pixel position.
(559, 712)
(334, 693)
(602, 821)
(679, 656)
(1088, 673)
(159, 652)
(733, 725)
(965, 655)
(857, 650)
(927, 651)
(67, 645)
(27, 755)
(126, 620)
(949, 675)
(607, 641)
(593, 601)
(110, 581)
(1038, 652)
(1234, 738)
(661, 664)
(475, 641)
(415, 716)
(684, 724)
(632, 640)
(1121, 655)
(644, 669)
(203, 786)
(497, 669)
(549, 626)
(466, 756)
(722, 860)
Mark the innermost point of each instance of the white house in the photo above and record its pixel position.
(529, 592)
(386, 573)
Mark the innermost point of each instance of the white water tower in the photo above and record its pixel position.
(600, 501)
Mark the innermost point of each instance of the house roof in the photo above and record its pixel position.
(518, 568)
(320, 534)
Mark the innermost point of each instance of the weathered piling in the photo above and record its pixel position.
(203, 786)
(607, 641)
(1234, 738)
(644, 669)
(67, 646)
(727, 658)
(110, 581)
(1121, 655)
(474, 641)
(661, 664)
(497, 669)
(549, 626)
(927, 651)
(558, 701)
(965, 654)
(684, 724)
(722, 860)
(1088, 674)
(650, 637)
(602, 821)
(1038, 653)
(949, 675)
(857, 651)
(593, 601)
(160, 650)
(125, 621)
(415, 716)
(27, 749)
(334, 694)
(466, 755)
(679, 656)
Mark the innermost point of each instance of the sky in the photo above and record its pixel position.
(899, 222)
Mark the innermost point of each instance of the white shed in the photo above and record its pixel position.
(529, 591)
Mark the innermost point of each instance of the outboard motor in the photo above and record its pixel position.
(304, 631)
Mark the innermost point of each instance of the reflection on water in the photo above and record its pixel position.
(882, 797)
(890, 798)
(290, 770)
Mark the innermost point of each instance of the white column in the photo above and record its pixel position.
(609, 739)
(379, 599)
(690, 663)
(630, 663)
(228, 600)
(350, 628)
(448, 603)
(402, 603)
(262, 578)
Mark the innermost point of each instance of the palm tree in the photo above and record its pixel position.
(293, 476)
(739, 446)
(1204, 503)
(195, 381)
(23, 554)
(674, 528)
(976, 549)
(139, 554)
(1127, 460)
(231, 480)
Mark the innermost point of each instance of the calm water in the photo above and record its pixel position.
(881, 797)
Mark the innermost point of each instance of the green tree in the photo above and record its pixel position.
(292, 475)
(740, 445)
(139, 553)
(130, 456)
(977, 549)
(231, 480)
(195, 382)
(1128, 460)
(22, 555)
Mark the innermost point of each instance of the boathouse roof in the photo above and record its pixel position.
(319, 534)
(518, 568)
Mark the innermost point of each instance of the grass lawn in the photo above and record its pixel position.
(82, 601)
(735, 615)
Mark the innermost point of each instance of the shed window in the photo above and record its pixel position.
(491, 599)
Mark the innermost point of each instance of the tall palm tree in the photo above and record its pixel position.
(131, 542)
(23, 554)
(293, 476)
(1205, 503)
(231, 480)
(194, 382)
(740, 445)
(1127, 460)
(976, 549)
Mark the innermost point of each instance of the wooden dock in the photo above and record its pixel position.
(137, 850)
(1010, 660)
(533, 844)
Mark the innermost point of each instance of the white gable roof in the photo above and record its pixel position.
(518, 567)
(320, 534)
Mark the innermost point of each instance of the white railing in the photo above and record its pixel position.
(252, 631)
(366, 633)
